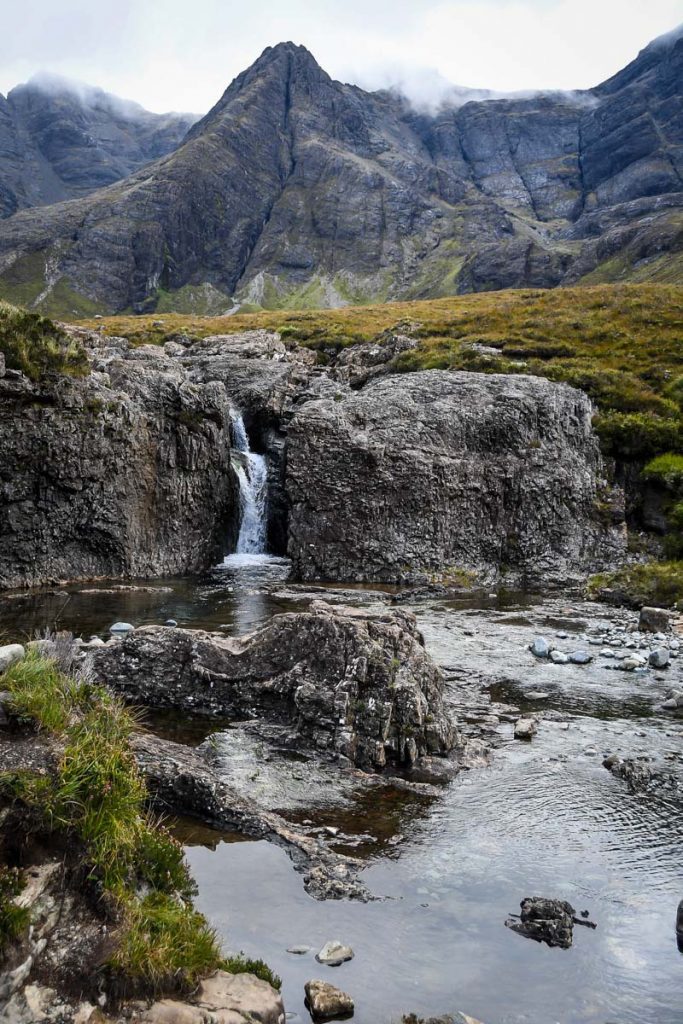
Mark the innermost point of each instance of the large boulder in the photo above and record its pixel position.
(435, 472)
(125, 472)
(348, 681)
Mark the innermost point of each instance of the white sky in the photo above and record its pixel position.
(180, 55)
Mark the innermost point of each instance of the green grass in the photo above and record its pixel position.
(622, 344)
(166, 945)
(652, 583)
(42, 693)
(13, 918)
(666, 469)
(37, 346)
(98, 798)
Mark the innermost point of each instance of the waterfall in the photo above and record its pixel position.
(252, 475)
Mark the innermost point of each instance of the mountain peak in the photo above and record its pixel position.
(279, 68)
(291, 58)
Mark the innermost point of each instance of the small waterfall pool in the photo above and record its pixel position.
(544, 818)
(252, 475)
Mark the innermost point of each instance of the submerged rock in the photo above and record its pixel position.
(447, 1018)
(435, 472)
(525, 728)
(549, 921)
(325, 1001)
(641, 776)
(181, 782)
(349, 682)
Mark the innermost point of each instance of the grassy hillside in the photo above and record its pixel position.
(622, 344)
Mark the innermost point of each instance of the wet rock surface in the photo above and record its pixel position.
(181, 782)
(549, 921)
(326, 1001)
(350, 682)
(125, 472)
(425, 472)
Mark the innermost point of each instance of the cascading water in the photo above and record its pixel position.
(252, 475)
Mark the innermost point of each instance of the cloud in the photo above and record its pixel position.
(171, 55)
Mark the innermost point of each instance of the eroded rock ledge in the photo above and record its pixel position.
(345, 681)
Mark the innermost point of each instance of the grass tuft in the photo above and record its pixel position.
(651, 583)
(666, 469)
(166, 945)
(13, 918)
(99, 798)
(37, 346)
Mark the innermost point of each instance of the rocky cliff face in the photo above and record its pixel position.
(60, 140)
(299, 190)
(436, 473)
(123, 473)
(372, 475)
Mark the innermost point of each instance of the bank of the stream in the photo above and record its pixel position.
(543, 818)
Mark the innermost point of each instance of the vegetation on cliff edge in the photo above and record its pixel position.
(98, 799)
(37, 346)
(622, 344)
(649, 583)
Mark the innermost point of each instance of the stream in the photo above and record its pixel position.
(544, 818)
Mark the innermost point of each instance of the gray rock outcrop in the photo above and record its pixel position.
(125, 472)
(346, 681)
(431, 472)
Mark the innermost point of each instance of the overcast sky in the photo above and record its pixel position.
(180, 55)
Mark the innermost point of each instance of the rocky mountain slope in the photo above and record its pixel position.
(297, 190)
(60, 140)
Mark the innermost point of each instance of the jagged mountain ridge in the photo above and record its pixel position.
(60, 140)
(299, 190)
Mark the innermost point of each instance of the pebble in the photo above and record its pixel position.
(540, 647)
(537, 695)
(334, 953)
(121, 627)
(559, 657)
(659, 658)
(170, 622)
(299, 950)
(580, 657)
